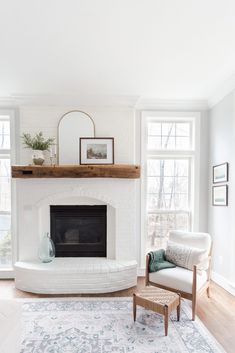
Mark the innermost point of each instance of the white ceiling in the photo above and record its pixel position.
(165, 49)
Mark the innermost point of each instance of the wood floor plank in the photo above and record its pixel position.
(217, 313)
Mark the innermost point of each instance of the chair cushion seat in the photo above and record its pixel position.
(178, 278)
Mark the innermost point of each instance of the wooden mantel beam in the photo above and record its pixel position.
(127, 171)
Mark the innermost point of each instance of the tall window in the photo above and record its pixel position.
(169, 156)
(5, 192)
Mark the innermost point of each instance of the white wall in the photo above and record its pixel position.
(203, 184)
(109, 122)
(221, 221)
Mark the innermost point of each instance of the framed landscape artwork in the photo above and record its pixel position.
(220, 173)
(220, 195)
(99, 150)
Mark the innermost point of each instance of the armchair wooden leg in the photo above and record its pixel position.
(194, 306)
(208, 291)
(194, 293)
(166, 319)
(178, 307)
(134, 307)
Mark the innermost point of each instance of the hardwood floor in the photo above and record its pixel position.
(217, 313)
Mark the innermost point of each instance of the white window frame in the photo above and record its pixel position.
(193, 154)
(8, 272)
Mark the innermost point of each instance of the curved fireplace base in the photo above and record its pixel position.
(75, 276)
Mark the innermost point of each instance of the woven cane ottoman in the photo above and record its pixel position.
(159, 300)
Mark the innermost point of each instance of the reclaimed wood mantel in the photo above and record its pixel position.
(127, 171)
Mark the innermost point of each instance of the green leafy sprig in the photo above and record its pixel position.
(37, 142)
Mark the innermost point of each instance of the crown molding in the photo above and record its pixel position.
(222, 91)
(104, 101)
(6, 101)
(172, 104)
(127, 101)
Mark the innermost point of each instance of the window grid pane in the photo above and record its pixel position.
(168, 184)
(5, 185)
(159, 225)
(169, 136)
(5, 240)
(4, 134)
(5, 194)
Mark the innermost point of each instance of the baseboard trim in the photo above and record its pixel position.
(223, 282)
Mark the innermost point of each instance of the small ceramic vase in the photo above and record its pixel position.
(38, 157)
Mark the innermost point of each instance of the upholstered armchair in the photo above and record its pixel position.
(189, 283)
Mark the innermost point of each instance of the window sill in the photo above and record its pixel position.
(7, 273)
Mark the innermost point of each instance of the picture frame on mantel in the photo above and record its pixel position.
(220, 195)
(97, 150)
(220, 173)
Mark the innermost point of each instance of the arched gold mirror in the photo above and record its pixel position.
(73, 125)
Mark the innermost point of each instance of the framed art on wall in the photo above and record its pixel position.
(220, 195)
(220, 173)
(99, 150)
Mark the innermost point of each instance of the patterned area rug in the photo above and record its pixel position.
(105, 325)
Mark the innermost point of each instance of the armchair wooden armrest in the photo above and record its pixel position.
(209, 268)
(194, 285)
(202, 263)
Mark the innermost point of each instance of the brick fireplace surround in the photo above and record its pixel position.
(76, 275)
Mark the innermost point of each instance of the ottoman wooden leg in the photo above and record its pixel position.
(166, 318)
(134, 307)
(178, 308)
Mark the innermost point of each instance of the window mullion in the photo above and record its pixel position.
(170, 153)
(5, 153)
(5, 212)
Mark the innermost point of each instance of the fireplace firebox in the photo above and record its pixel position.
(79, 231)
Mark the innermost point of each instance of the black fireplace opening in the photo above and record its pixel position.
(79, 231)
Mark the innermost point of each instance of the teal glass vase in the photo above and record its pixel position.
(46, 251)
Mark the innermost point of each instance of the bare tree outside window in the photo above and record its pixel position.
(167, 182)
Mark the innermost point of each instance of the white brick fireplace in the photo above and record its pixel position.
(76, 275)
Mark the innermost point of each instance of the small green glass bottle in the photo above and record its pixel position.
(46, 252)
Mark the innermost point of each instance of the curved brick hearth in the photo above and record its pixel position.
(75, 275)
